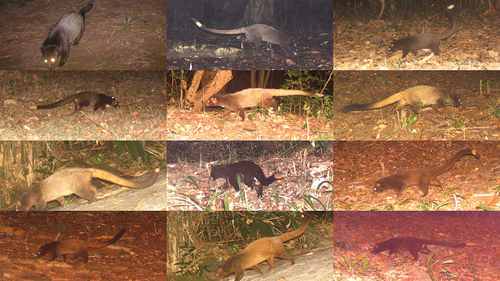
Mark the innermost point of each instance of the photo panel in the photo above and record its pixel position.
(228, 35)
(83, 245)
(416, 105)
(254, 245)
(415, 35)
(416, 175)
(83, 105)
(249, 175)
(91, 35)
(250, 105)
(409, 245)
(84, 175)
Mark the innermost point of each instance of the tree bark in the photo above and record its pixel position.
(212, 83)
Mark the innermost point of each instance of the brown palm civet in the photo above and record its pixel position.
(251, 174)
(413, 245)
(424, 40)
(82, 99)
(76, 247)
(257, 33)
(424, 95)
(263, 249)
(252, 97)
(421, 177)
(73, 181)
(68, 30)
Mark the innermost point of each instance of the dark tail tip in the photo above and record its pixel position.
(120, 234)
(347, 108)
(86, 9)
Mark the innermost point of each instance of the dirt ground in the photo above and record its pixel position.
(313, 265)
(127, 35)
(477, 119)
(314, 54)
(183, 124)
(139, 255)
(356, 233)
(471, 184)
(141, 114)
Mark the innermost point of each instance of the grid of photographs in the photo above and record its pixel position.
(416, 142)
(167, 140)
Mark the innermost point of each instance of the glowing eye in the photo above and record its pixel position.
(45, 61)
(52, 60)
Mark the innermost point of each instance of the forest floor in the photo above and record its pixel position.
(264, 125)
(314, 54)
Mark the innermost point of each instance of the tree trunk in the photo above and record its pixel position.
(212, 83)
(258, 11)
(381, 9)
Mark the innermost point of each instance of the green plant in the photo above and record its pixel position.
(135, 148)
(496, 189)
(191, 179)
(303, 80)
(412, 119)
(48, 165)
(249, 224)
(196, 204)
(190, 262)
(458, 122)
(382, 80)
(351, 265)
(431, 264)
(495, 112)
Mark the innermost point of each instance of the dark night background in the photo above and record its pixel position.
(289, 15)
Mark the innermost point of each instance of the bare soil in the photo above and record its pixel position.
(118, 35)
(477, 119)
